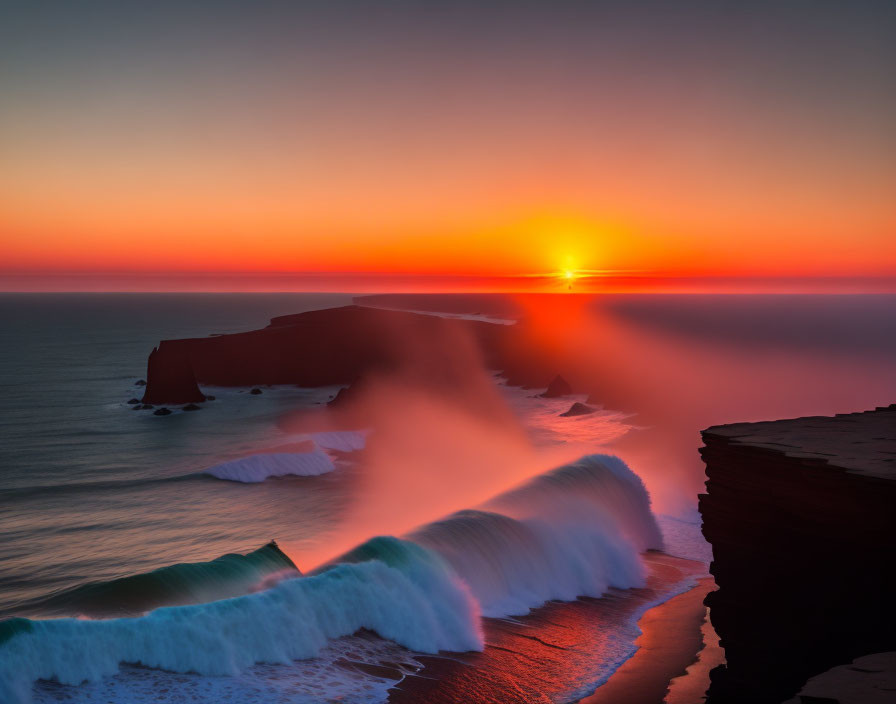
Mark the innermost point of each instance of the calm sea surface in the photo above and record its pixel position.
(90, 490)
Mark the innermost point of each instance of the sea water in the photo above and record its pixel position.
(93, 493)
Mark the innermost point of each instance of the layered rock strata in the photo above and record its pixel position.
(801, 515)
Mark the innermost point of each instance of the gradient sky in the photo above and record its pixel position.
(682, 139)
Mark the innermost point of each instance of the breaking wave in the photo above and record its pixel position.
(257, 468)
(403, 592)
(575, 531)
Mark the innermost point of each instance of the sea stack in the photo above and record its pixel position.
(578, 409)
(170, 376)
(801, 515)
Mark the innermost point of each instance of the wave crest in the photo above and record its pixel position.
(575, 531)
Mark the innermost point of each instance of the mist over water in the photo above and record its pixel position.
(681, 363)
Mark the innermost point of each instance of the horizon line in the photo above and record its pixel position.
(357, 283)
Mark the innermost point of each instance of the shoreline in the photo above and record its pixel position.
(554, 653)
(672, 641)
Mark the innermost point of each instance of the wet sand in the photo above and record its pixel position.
(553, 653)
(671, 640)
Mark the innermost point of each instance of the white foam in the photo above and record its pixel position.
(417, 603)
(596, 487)
(257, 468)
(576, 531)
(322, 679)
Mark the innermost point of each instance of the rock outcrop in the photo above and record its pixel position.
(557, 388)
(171, 377)
(801, 515)
(867, 680)
(578, 409)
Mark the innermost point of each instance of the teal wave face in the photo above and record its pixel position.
(180, 584)
(420, 605)
(12, 627)
(392, 551)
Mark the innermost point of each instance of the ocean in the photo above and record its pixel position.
(90, 490)
(98, 502)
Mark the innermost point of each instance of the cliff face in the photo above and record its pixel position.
(801, 515)
(340, 345)
(171, 377)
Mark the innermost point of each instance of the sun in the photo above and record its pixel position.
(569, 274)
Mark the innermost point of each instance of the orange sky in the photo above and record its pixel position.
(450, 146)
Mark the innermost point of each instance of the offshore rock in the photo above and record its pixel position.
(578, 409)
(557, 388)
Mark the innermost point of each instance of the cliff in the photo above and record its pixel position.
(171, 375)
(339, 345)
(801, 515)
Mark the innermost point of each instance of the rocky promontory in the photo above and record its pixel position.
(338, 345)
(801, 515)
